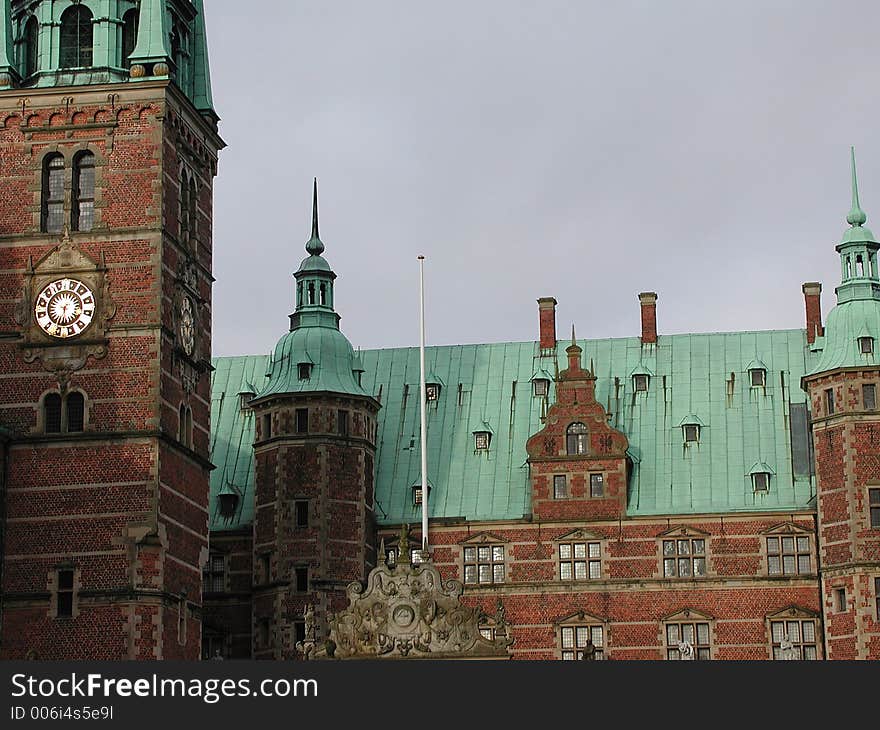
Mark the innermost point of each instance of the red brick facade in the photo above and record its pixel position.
(120, 503)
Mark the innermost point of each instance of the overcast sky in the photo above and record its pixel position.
(582, 150)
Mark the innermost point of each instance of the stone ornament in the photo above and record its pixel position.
(65, 355)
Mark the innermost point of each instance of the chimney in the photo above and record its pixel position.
(648, 300)
(813, 301)
(547, 323)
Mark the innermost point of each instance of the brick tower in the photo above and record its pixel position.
(314, 455)
(108, 145)
(842, 389)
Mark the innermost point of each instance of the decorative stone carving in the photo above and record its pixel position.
(409, 611)
(70, 354)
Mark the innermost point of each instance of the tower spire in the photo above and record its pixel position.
(314, 246)
(856, 216)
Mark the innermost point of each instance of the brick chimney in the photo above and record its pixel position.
(547, 323)
(813, 302)
(648, 300)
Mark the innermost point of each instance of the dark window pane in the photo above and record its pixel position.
(596, 485)
(302, 420)
(32, 49)
(52, 413)
(129, 35)
(302, 514)
(75, 412)
(869, 397)
(53, 194)
(65, 603)
(302, 579)
(76, 37)
(83, 208)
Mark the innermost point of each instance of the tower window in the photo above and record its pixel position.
(691, 433)
(758, 377)
(311, 292)
(301, 578)
(576, 439)
(53, 194)
(597, 485)
(342, 423)
(874, 506)
(640, 383)
(76, 37)
(32, 47)
(52, 413)
(184, 426)
(304, 370)
(840, 599)
(481, 440)
(83, 210)
(301, 513)
(866, 345)
(65, 593)
(129, 35)
(541, 386)
(76, 406)
(869, 396)
(829, 402)
(323, 292)
(761, 481)
(302, 420)
(560, 486)
(267, 425)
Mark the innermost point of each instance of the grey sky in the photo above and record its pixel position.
(582, 150)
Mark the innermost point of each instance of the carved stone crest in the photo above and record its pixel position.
(410, 611)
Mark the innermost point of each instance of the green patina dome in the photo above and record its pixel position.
(847, 323)
(314, 356)
(331, 358)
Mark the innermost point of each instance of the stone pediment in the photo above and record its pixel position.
(409, 611)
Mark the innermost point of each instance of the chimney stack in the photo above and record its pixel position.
(547, 324)
(813, 301)
(648, 301)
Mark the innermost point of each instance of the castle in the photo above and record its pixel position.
(694, 496)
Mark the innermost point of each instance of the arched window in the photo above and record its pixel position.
(193, 208)
(76, 406)
(184, 206)
(184, 425)
(129, 35)
(82, 215)
(53, 194)
(52, 413)
(76, 37)
(576, 439)
(31, 46)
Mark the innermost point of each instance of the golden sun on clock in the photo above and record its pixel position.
(65, 308)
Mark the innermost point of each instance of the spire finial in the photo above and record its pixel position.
(856, 216)
(314, 246)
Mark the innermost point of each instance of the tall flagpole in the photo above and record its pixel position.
(424, 398)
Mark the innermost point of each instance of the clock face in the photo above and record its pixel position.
(186, 326)
(65, 308)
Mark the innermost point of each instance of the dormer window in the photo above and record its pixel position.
(540, 386)
(691, 433)
(866, 345)
(417, 494)
(245, 399)
(757, 377)
(432, 391)
(481, 440)
(305, 370)
(761, 482)
(640, 383)
(576, 439)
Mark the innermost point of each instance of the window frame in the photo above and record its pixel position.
(694, 620)
(560, 479)
(757, 477)
(492, 547)
(588, 559)
(69, 592)
(640, 379)
(342, 423)
(298, 571)
(432, 392)
(573, 626)
(211, 573)
(872, 388)
(594, 482)
(866, 345)
(829, 401)
(677, 556)
(83, 162)
(540, 387)
(763, 378)
(301, 420)
(577, 439)
(874, 507)
(482, 440)
(690, 428)
(779, 552)
(53, 180)
(31, 53)
(786, 618)
(301, 507)
(82, 54)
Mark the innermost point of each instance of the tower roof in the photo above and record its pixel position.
(856, 217)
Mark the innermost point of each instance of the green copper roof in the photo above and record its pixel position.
(232, 436)
(7, 49)
(153, 43)
(846, 323)
(698, 375)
